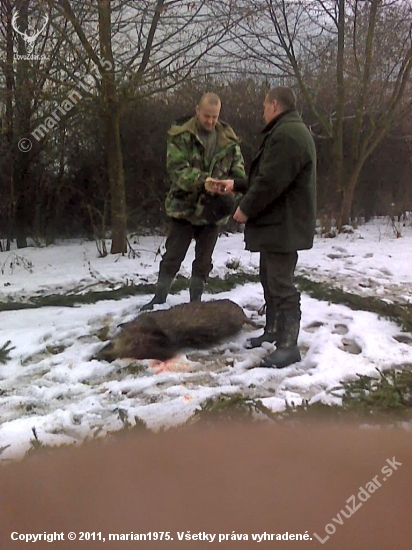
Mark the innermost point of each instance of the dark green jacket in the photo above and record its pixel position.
(280, 193)
(188, 169)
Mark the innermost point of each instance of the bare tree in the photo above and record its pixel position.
(22, 86)
(26, 65)
(8, 131)
(139, 49)
(351, 61)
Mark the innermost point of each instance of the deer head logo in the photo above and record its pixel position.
(29, 39)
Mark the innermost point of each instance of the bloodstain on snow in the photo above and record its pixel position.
(175, 364)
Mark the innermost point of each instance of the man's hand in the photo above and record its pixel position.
(221, 187)
(238, 216)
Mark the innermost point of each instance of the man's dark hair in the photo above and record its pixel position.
(284, 96)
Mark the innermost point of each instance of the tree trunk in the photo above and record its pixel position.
(353, 176)
(111, 113)
(334, 195)
(23, 207)
(8, 124)
(337, 147)
(116, 179)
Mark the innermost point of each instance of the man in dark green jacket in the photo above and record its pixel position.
(197, 149)
(279, 210)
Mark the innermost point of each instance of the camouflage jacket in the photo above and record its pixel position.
(188, 169)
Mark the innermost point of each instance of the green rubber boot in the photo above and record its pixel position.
(287, 351)
(162, 290)
(270, 333)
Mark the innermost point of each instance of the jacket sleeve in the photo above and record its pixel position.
(241, 185)
(180, 170)
(279, 166)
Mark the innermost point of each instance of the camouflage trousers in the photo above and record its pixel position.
(276, 271)
(180, 235)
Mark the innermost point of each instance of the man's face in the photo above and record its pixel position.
(270, 109)
(208, 115)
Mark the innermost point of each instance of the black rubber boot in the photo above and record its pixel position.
(197, 286)
(281, 358)
(162, 290)
(269, 334)
(287, 351)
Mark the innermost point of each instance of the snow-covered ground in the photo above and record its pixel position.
(52, 384)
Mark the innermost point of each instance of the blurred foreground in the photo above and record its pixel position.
(224, 479)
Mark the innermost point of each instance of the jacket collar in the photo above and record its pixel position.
(225, 134)
(270, 125)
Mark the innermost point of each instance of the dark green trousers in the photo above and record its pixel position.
(276, 272)
(180, 235)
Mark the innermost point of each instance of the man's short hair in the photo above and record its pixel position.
(284, 96)
(211, 98)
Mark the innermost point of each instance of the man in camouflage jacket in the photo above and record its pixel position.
(200, 148)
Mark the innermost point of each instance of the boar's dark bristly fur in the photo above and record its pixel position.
(161, 334)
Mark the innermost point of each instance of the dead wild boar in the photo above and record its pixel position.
(161, 334)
